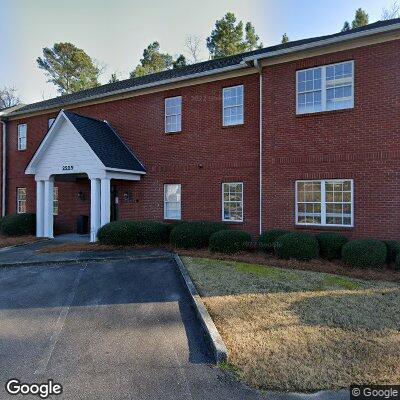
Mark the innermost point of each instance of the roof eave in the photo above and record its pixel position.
(324, 42)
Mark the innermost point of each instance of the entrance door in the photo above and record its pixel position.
(114, 204)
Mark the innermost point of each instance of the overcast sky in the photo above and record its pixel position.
(115, 32)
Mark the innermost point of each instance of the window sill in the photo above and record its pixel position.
(233, 126)
(21, 150)
(325, 227)
(232, 222)
(312, 114)
(173, 133)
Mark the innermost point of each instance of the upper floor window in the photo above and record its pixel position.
(21, 200)
(232, 202)
(172, 201)
(326, 88)
(325, 202)
(173, 114)
(233, 105)
(22, 128)
(50, 122)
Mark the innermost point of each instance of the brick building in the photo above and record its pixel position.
(298, 136)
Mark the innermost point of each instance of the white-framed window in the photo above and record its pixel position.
(50, 122)
(325, 202)
(172, 201)
(232, 104)
(21, 200)
(232, 201)
(173, 114)
(325, 88)
(22, 129)
(55, 200)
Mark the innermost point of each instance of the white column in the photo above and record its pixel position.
(48, 208)
(39, 208)
(105, 201)
(94, 208)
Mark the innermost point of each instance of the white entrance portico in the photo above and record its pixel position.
(78, 145)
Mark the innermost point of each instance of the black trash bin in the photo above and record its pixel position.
(82, 225)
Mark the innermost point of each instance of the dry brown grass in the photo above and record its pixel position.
(6, 241)
(302, 331)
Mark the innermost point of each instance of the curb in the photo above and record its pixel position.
(78, 260)
(219, 349)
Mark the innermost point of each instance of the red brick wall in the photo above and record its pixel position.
(361, 143)
(201, 157)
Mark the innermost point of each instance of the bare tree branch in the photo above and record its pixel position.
(8, 97)
(192, 44)
(391, 12)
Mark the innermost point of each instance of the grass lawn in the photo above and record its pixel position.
(6, 241)
(301, 330)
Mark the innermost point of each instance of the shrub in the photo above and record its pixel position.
(128, 233)
(300, 246)
(227, 241)
(393, 249)
(267, 239)
(194, 235)
(397, 263)
(364, 253)
(19, 224)
(330, 245)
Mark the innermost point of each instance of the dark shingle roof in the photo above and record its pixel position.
(105, 142)
(206, 66)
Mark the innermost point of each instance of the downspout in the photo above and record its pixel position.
(259, 68)
(3, 172)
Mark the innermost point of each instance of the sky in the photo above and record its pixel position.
(115, 32)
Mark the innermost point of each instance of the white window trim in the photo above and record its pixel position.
(18, 137)
(19, 201)
(164, 201)
(223, 105)
(323, 203)
(223, 202)
(323, 88)
(171, 115)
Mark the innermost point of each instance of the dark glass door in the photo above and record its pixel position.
(114, 204)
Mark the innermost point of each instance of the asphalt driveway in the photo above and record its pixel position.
(107, 330)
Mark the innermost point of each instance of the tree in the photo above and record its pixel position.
(392, 12)
(360, 19)
(179, 62)
(152, 61)
(69, 68)
(346, 26)
(113, 78)
(8, 97)
(226, 38)
(192, 44)
(285, 38)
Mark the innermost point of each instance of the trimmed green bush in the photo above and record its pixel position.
(229, 242)
(128, 233)
(364, 253)
(194, 235)
(397, 263)
(330, 245)
(300, 246)
(19, 224)
(267, 240)
(393, 249)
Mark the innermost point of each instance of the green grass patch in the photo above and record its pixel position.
(340, 282)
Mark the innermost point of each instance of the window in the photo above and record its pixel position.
(173, 114)
(233, 105)
(232, 202)
(21, 200)
(55, 200)
(327, 202)
(50, 122)
(172, 201)
(22, 137)
(326, 88)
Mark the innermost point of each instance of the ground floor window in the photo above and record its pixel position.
(232, 201)
(21, 200)
(55, 200)
(172, 201)
(325, 202)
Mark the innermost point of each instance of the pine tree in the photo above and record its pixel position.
(285, 38)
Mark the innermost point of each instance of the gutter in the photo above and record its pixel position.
(324, 42)
(258, 65)
(241, 65)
